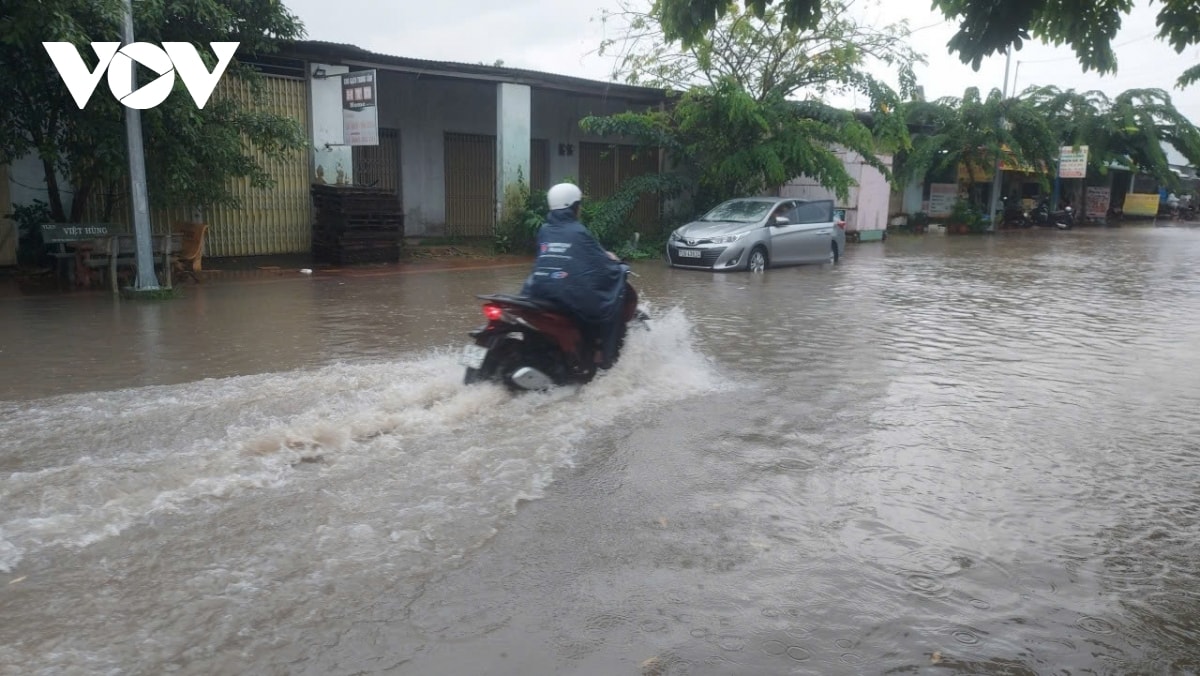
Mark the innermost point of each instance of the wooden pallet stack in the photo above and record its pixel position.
(356, 224)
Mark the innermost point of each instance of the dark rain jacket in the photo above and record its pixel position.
(574, 271)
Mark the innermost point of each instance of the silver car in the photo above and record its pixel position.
(753, 233)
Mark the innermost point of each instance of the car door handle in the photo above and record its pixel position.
(824, 232)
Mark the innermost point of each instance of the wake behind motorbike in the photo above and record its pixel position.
(530, 344)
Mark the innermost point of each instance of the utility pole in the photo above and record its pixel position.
(997, 173)
(146, 279)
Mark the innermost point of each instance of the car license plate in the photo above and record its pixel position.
(472, 356)
(689, 253)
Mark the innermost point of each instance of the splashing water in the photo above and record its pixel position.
(407, 433)
(220, 506)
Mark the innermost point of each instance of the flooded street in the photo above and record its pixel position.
(943, 455)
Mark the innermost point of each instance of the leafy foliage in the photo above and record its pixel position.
(723, 142)
(965, 213)
(607, 219)
(765, 57)
(190, 154)
(29, 218)
(523, 213)
(975, 132)
(735, 126)
(986, 27)
(1128, 129)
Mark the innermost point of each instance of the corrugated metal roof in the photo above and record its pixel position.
(335, 53)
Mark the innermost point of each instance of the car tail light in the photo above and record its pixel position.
(841, 225)
(492, 312)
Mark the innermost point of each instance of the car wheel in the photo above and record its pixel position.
(758, 260)
(834, 254)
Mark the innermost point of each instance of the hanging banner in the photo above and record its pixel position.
(1072, 163)
(1097, 202)
(360, 112)
(942, 197)
(1141, 204)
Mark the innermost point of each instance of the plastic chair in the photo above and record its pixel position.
(191, 250)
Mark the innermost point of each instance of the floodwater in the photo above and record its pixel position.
(943, 455)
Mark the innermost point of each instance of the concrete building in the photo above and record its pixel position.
(451, 136)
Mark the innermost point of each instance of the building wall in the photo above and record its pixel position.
(556, 117)
(425, 109)
(272, 220)
(27, 182)
(332, 159)
(21, 183)
(8, 229)
(867, 205)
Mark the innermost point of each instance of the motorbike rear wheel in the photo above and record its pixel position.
(508, 356)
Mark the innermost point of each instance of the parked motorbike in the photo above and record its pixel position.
(1063, 220)
(529, 344)
(1015, 216)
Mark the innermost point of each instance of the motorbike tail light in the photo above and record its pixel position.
(492, 312)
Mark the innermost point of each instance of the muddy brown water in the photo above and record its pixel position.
(943, 455)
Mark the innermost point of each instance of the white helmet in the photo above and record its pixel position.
(563, 196)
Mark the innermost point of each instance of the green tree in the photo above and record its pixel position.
(1128, 129)
(974, 132)
(191, 154)
(722, 142)
(737, 129)
(986, 27)
(764, 57)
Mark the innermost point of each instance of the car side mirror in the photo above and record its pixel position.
(781, 220)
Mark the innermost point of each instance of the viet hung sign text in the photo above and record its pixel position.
(171, 58)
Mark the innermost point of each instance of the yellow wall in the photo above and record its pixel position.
(1141, 205)
(271, 221)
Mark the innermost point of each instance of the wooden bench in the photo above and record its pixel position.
(96, 247)
(75, 264)
(122, 252)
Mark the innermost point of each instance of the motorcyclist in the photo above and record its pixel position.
(573, 271)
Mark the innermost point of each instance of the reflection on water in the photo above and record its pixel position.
(79, 343)
(974, 454)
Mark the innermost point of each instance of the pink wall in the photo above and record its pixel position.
(867, 206)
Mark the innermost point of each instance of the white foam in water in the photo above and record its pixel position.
(441, 462)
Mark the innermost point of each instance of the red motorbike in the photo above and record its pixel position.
(529, 344)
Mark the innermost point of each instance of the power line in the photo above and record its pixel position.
(918, 30)
(1073, 56)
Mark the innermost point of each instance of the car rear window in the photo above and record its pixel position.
(813, 212)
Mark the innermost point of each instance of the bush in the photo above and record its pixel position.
(965, 213)
(607, 219)
(29, 218)
(523, 212)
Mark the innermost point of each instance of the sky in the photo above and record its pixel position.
(562, 37)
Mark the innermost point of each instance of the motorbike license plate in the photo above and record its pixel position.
(689, 253)
(472, 356)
